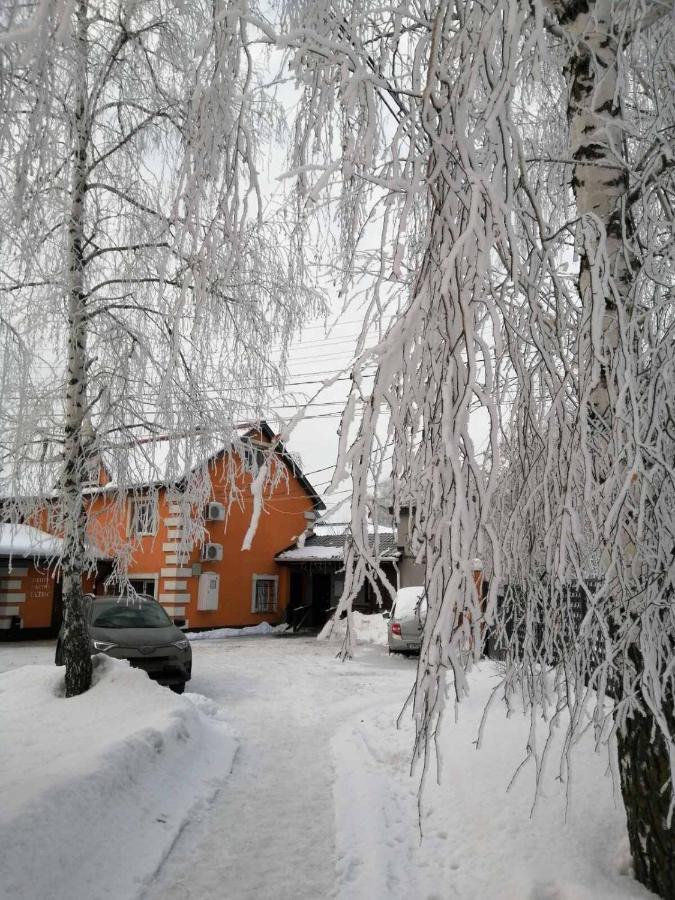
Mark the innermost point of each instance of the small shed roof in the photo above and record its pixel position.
(330, 548)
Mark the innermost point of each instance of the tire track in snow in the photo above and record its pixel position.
(270, 833)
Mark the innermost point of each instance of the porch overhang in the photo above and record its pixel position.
(313, 566)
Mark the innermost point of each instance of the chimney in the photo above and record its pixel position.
(310, 518)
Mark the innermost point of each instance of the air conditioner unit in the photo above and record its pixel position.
(214, 512)
(212, 552)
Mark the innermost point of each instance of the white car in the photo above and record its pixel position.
(407, 620)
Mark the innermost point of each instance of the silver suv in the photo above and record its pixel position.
(135, 627)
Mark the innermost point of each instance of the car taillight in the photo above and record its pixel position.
(395, 628)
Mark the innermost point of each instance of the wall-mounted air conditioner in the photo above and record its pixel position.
(212, 552)
(214, 512)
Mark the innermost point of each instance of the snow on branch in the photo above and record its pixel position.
(507, 191)
(145, 273)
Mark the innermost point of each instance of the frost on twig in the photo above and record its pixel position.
(506, 191)
(144, 274)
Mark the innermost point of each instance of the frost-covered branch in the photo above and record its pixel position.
(142, 262)
(518, 209)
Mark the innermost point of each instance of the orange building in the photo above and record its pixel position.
(194, 565)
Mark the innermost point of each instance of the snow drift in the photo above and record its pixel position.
(369, 629)
(96, 788)
(249, 630)
(474, 834)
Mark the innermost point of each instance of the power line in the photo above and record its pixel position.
(316, 471)
(241, 387)
(352, 339)
(335, 324)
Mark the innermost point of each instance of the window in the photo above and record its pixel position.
(264, 594)
(144, 516)
(254, 458)
(143, 585)
(91, 477)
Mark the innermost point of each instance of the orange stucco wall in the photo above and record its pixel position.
(27, 591)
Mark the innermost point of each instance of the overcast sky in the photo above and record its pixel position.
(314, 358)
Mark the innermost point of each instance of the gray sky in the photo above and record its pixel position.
(314, 358)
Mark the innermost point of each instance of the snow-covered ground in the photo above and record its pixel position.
(216, 634)
(95, 789)
(319, 802)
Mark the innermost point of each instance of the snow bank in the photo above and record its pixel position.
(369, 629)
(217, 633)
(96, 788)
(478, 841)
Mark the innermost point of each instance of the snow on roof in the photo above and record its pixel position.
(159, 460)
(331, 547)
(26, 541)
(407, 600)
(23, 540)
(310, 552)
(152, 460)
(322, 527)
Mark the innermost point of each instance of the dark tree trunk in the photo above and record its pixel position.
(76, 648)
(77, 653)
(647, 796)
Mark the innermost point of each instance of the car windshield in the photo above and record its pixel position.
(123, 613)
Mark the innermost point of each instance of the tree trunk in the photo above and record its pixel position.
(75, 637)
(647, 795)
(600, 183)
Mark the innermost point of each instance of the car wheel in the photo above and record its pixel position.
(58, 656)
(178, 688)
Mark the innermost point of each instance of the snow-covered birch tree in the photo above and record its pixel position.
(143, 276)
(516, 161)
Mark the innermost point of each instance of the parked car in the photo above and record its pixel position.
(136, 628)
(406, 620)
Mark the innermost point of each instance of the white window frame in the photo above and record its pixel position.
(152, 576)
(254, 595)
(113, 587)
(146, 501)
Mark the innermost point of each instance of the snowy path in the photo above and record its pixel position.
(270, 831)
(319, 802)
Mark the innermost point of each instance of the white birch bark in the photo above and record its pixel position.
(76, 648)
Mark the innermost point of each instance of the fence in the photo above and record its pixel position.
(545, 622)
